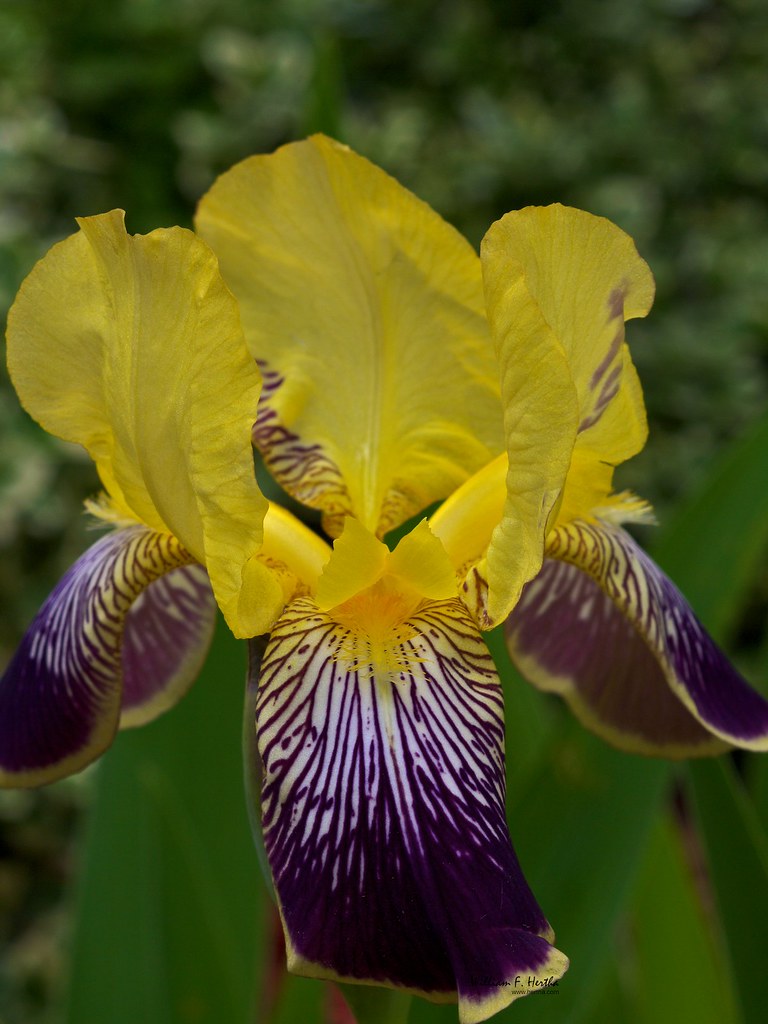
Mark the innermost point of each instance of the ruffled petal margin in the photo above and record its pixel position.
(115, 634)
(383, 811)
(605, 628)
(131, 345)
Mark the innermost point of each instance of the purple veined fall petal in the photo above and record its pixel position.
(383, 810)
(166, 637)
(111, 629)
(604, 627)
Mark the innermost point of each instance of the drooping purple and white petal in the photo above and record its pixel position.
(166, 636)
(383, 809)
(61, 695)
(602, 625)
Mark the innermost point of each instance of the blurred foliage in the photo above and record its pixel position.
(36, 830)
(650, 112)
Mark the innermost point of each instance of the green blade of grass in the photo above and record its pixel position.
(679, 970)
(711, 550)
(170, 902)
(711, 546)
(373, 1005)
(737, 859)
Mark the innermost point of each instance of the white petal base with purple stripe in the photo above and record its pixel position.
(602, 625)
(383, 809)
(115, 634)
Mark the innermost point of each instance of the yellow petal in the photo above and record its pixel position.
(288, 565)
(357, 562)
(584, 279)
(540, 422)
(589, 494)
(421, 562)
(132, 347)
(418, 568)
(365, 310)
(559, 284)
(289, 541)
(465, 522)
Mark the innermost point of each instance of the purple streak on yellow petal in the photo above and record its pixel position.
(302, 468)
(699, 675)
(582, 280)
(382, 747)
(586, 279)
(132, 347)
(60, 697)
(365, 310)
(559, 284)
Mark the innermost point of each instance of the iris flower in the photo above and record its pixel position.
(325, 314)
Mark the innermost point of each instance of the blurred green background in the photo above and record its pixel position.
(650, 112)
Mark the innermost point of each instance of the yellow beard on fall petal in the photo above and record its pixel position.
(378, 643)
(371, 593)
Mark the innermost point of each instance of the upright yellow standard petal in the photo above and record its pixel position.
(559, 284)
(132, 347)
(540, 423)
(365, 310)
(583, 278)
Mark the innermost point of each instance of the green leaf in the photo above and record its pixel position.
(711, 547)
(170, 901)
(609, 1000)
(530, 718)
(679, 969)
(299, 1000)
(323, 99)
(580, 832)
(373, 1005)
(737, 857)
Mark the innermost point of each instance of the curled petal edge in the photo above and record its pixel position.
(603, 626)
(124, 631)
